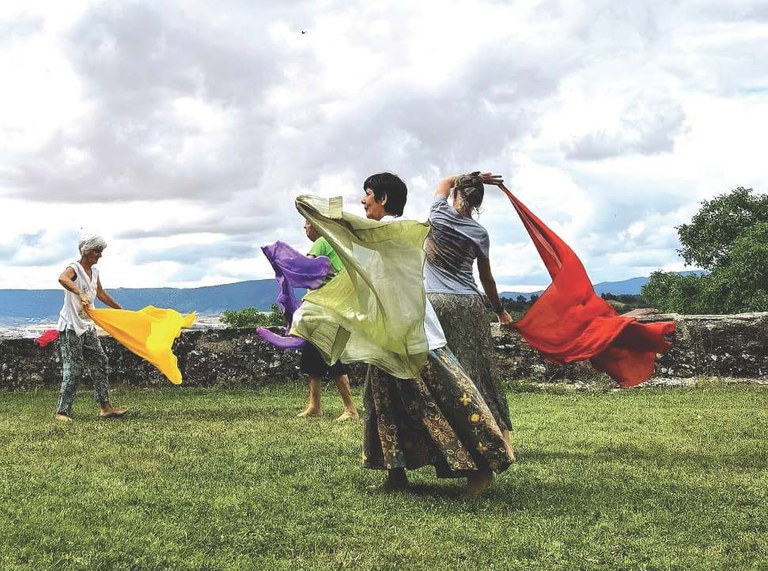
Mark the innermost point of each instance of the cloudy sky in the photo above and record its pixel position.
(182, 130)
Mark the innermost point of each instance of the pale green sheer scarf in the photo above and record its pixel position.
(373, 310)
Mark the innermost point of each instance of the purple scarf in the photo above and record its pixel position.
(292, 270)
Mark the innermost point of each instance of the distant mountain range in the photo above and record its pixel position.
(18, 306)
(625, 287)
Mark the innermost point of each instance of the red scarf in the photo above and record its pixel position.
(570, 323)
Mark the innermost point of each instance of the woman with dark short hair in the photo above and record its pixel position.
(386, 194)
(438, 418)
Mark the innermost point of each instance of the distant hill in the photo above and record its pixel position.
(22, 305)
(18, 305)
(625, 287)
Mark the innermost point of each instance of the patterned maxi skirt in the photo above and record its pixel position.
(438, 419)
(468, 334)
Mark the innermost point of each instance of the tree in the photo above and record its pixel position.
(671, 292)
(729, 238)
(742, 284)
(252, 317)
(515, 307)
(707, 241)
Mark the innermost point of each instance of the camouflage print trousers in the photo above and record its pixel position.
(79, 356)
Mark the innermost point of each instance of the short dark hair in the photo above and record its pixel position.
(389, 185)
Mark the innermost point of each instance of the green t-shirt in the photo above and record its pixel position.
(321, 247)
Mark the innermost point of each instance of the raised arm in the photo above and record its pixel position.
(107, 299)
(445, 185)
(67, 281)
(489, 287)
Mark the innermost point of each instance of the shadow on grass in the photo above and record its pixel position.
(658, 457)
(452, 488)
(240, 413)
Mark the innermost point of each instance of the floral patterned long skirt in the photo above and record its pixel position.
(438, 419)
(469, 337)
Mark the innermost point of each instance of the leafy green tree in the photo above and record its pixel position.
(515, 307)
(729, 238)
(252, 317)
(670, 292)
(707, 241)
(742, 284)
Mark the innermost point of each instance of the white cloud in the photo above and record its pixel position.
(183, 132)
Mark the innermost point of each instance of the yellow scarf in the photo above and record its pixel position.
(149, 333)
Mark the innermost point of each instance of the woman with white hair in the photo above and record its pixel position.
(81, 350)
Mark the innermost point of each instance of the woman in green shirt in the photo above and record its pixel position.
(312, 363)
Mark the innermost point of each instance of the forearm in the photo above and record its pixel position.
(489, 284)
(108, 300)
(489, 287)
(445, 185)
(69, 285)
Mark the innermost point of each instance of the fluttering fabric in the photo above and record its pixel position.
(292, 270)
(570, 323)
(149, 333)
(47, 337)
(280, 341)
(372, 311)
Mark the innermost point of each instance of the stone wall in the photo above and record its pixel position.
(728, 346)
(734, 346)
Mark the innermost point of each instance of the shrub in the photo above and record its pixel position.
(252, 317)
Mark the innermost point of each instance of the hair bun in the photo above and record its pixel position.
(471, 187)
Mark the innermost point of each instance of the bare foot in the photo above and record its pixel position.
(348, 415)
(311, 412)
(395, 481)
(478, 482)
(62, 417)
(112, 412)
(508, 445)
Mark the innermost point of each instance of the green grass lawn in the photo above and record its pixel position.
(220, 479)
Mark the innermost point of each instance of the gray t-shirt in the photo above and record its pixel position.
(453, 243)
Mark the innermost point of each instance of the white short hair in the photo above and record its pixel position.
(91, 244)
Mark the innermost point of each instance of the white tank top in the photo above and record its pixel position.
(72, 316)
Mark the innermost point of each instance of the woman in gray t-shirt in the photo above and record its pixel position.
(455, 241)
